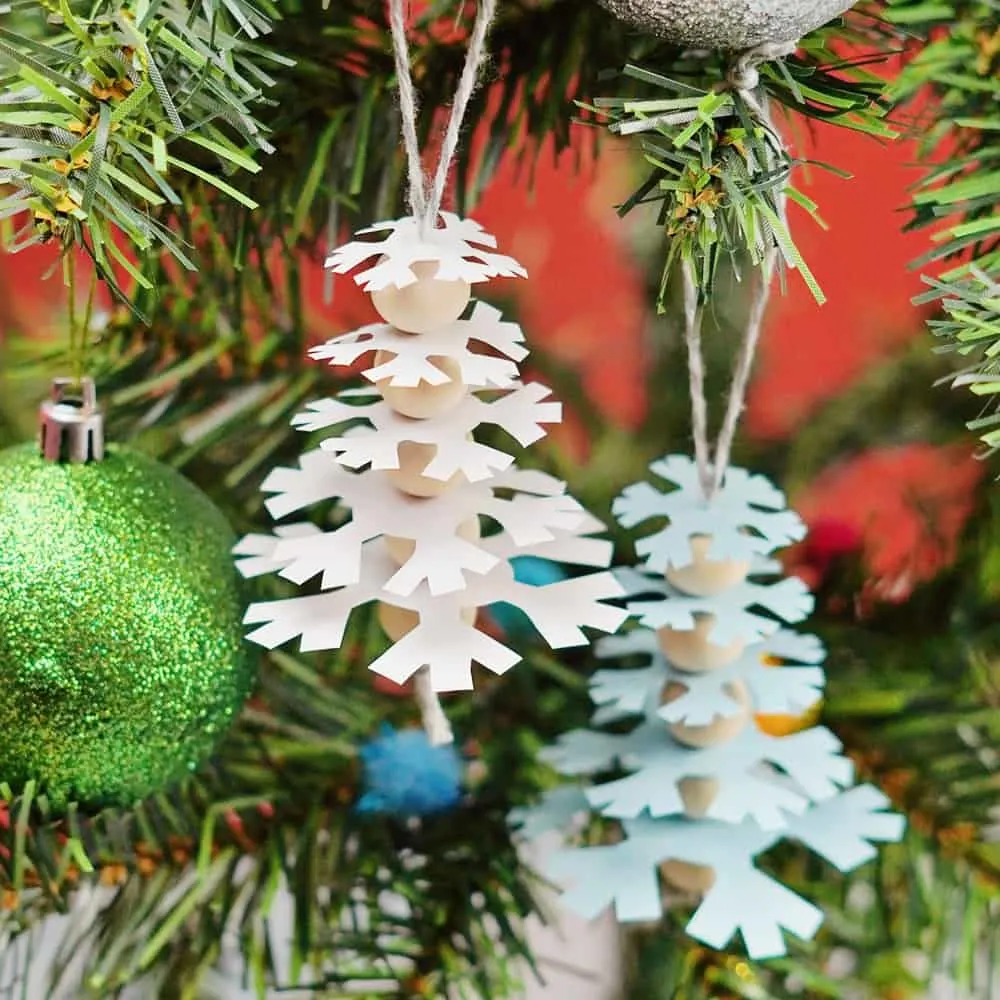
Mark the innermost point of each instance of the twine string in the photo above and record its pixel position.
(696, 379)
(425, 197)
(417, 193)
(713, 463)
(436, 723)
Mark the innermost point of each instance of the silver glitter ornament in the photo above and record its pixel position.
(729, 25)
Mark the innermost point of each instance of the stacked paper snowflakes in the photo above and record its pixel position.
(435, 515)
(703, 791)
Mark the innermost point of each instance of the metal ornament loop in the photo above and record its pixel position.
(70, 425)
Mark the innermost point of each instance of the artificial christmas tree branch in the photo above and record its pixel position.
(958, 65)
(101, 102)
(242, 94)
(719, 171)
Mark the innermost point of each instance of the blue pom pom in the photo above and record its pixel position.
(535, 572)
(404, 775)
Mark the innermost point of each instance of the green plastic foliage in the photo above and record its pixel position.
(107, 107)
(718, 170)
(960, 66)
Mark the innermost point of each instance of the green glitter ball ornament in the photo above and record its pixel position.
(121, 656)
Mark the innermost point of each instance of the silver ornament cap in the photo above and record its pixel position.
(729, 25)
(70, 425)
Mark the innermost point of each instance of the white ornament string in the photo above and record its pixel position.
(436, 723)
(408, 108)
(426, 198)
(712, 468)
(696, 380)
(743, 368)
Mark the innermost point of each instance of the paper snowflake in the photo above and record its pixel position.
(812, 758)
(743, 899)
(522, 412)
(461, 248)
(793, 688)
(746, 517)
(442, 641)
(445, 573)
(411, 363)
(739, 612)
(754, 788)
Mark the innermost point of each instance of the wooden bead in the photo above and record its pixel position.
(691, 650)
(689, 878)
(704, 577)
(400, 549)
(424, 399)
(414, 457)
(426, 304)
(396, 621)
(721, 729)
(697, 794)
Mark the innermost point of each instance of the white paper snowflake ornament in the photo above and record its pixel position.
(422, 277)
(403, 458)
(699, 788)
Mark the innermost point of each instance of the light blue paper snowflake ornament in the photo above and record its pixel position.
(746, 517)
(694, 782)
(742, 899)
(405, 775)
(746, 612)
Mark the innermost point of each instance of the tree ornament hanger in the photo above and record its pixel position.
(742, 77)
(70, 423)
(426, 194)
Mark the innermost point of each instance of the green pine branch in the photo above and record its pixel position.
(718, 171)
(957, 65)
(104, 104)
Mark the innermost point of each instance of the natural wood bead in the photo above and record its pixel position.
(691, 650)
(688, 877)
(705, 577)
(396, 621)
(721, 729)
(424, 399)
(697, 794)
(400, 549)
(426, 304)
(414, 457)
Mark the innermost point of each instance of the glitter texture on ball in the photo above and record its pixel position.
(121, 655)
(729, 25)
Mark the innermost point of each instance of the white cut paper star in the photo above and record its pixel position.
(411, 363)
(442, 640)
(462, 249)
